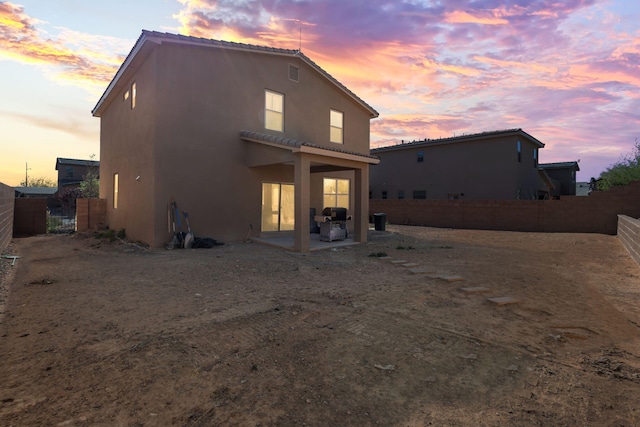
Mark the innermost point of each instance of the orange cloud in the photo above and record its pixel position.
(21, 41)
(462, 17)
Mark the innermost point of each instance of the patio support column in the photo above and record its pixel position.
(361, 199)
(302, 181)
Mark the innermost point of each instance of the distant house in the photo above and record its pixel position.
(563, 175)
(71, 172)
(498, 165)
(35, 192)
(247, 139)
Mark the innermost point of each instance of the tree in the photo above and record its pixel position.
(40, 181)
(624, 171)
(90, 185)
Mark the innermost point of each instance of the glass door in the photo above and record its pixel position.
(278, 207)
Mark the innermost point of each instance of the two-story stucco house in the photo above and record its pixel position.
(246, 139)
(563, 177)
(494, 165)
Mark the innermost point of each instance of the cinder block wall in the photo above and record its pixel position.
(7, 200)
(629, 235)
(91, 214)
(597, 213)
(30, 217)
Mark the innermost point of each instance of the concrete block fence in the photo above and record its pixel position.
(597, 213)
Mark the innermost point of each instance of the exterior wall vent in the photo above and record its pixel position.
(294, 72)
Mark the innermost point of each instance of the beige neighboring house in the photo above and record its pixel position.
(246, 139)
(496, 165)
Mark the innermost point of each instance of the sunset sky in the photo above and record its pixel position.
(567, 72)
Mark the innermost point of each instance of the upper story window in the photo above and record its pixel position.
(400, 194)
(336, 122)
(134, 90)
(535, 158)
(519, 152)
(336, 193)
(274, 111)
(420, 156)
(125, 97)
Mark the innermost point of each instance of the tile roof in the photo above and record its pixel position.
(76, 162)
(560, 165)
(461, 138)
(295, 143)
(160, 37)
(36, 190)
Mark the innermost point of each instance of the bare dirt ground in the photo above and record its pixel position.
(98, 333)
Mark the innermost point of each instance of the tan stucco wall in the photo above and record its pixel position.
(481, 170)
(183, 139)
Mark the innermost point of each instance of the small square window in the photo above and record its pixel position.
(126, 95)
(420, 156)
(384, 194)
(400, 194)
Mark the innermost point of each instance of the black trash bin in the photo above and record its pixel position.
(379, 221)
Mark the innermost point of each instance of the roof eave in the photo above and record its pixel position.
(114, 84)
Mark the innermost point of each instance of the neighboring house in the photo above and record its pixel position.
(35, 192)
(563, 175)
(494, 165)
(38, 193)
(246, 139)
(583, 189)
(71, 172)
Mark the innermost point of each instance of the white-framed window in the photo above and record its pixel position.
(336, 119)
(274, 111)
(115, 191)
(336, 193)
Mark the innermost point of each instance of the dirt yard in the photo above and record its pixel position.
(98, 333)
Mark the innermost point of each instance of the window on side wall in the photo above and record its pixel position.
(115, 191)
(535, 158)
(336, 193)
(274, 111)
(420, 156)
(384, 194)
(400, 194)
(519, 152)
(419, 194)
(336, 125)
(134, 92)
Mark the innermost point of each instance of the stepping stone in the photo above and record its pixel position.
(503, 300)
(399, 261)
(420, 271)
(448, 278)
(410, 265)
(475, 290)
